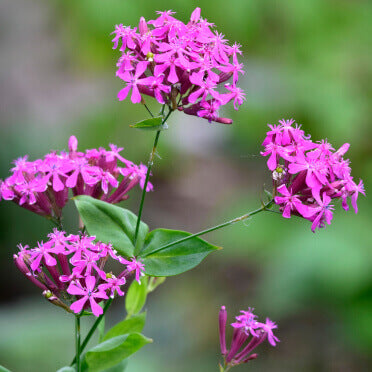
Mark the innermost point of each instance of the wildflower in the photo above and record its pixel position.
(182, 65)
(308, 175)
(42, 186)
(70, 269)
(248, 333)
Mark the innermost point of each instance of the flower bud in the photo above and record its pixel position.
(143, 29)
(195, 15)
(72, 144)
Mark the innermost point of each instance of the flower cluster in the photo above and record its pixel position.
(42, 186)
(308, 175)
(70, 271)
(181, 65)
(246, 325)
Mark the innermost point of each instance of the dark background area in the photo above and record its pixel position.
(306, 59)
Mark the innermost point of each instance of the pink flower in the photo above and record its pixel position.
(247, 335)
(134, 265)
(69, 265)
(43, 186)
(307, 174)
(90, 293)
(180, 65)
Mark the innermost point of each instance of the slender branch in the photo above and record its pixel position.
(94, 327)
(149, 166)
(148, 110)
(264, 207)
(77, 342)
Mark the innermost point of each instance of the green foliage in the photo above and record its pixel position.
(110, 224)
(134, 324)
(3, 369)
(150, 124)
(136, 296)
(176, 258)
(114, 350)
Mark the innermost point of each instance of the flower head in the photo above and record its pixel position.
(43, 185)
(307, 175)
(182, 65)
(70, 269)
(248, 333)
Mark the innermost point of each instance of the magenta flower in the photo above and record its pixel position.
(247, 335)
(134, 265)
(42, 186)
(180, 65)
(74, 265)
(307, 174)
(90, 293)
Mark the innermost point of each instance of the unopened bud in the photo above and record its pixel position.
(143, 29)
(150, 56)
(279, 173)
(195, 15)
(72, 144)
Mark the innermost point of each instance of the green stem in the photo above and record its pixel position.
(217, 227)
(94, 327)
(149, 166)
(77, 342)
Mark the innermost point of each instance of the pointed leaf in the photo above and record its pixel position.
(177, 258)
(109, 353)
(133, 324)
(136, 296)
(110, 223)
(149, 124)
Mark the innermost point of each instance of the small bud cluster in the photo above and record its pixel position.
(181, 65)
(242, 344)
(308, 174)
(70, 271)
(43, 185)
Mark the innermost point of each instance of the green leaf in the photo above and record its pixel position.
(150, 124)
(154, 283)
(133, 324)
(109, 353)
(3, 369)
(63, 369)
(119, 367)
(111, 224)
(175, 259)
(136, 296)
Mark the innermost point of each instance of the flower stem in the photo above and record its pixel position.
(94, 327)
(77, 342)
(217, 227)
(149, 166)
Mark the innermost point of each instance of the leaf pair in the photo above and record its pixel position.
(164, 252)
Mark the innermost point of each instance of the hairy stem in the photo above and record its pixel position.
(217, 227)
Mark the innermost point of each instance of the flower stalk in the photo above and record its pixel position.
(265, 207)
(149, 166)
(77, 342)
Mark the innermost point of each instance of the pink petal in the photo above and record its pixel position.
(90, 282)
(78, 305)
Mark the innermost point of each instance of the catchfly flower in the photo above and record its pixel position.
(186, 66)
(70, 271)
(43, 185)
(308, 176)
(248, 333)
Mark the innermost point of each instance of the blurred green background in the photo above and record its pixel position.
(307, 59)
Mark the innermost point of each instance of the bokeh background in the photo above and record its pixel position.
(307, 59)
